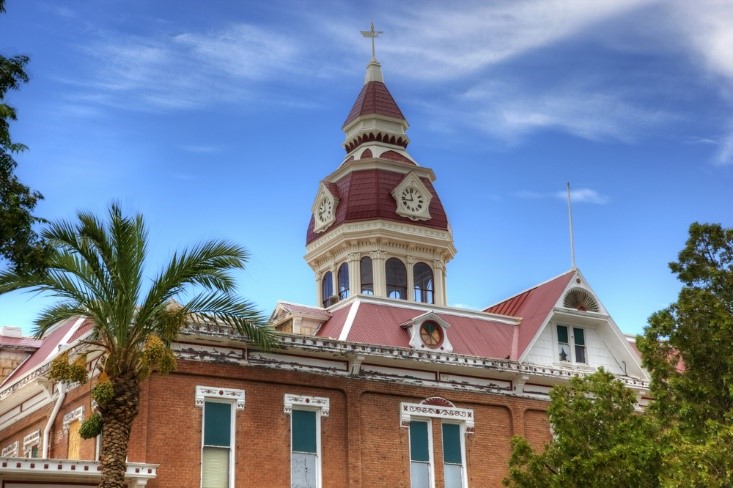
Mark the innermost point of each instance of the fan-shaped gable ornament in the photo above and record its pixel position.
(581, 300)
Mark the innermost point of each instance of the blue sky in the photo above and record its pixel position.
(220, 120)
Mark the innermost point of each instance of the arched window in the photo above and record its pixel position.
(423, 277)
(343, 281)
(396, 279)
(327, 288)
(367, 277)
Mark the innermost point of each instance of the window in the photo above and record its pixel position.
(423, 277)
(10, 450)
(217, 439)
(452, 456)
(396, 279)
(343, 281)
(305, 439)
(327, 288)
(421, 464)
(455, 424)
(71, 425)
(571, 348)
(431, 333)
(31, 442)
(367, 277)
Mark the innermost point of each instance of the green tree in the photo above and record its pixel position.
(19, 243)
(688, 350)
(96, 269)
(599, 440)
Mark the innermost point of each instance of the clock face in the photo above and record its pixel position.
(412, 199)
(325, 210)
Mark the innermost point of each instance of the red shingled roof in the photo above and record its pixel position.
(366, 195)
(374, 98)
(532, 306)
(380, 324)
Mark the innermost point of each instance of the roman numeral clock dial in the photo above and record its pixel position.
(325, 210)
(412, 199)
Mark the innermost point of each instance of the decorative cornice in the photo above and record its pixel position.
(322, 404)
(409, 410)
(76, 414)
(229, 394)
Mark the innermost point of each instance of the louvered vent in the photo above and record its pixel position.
(582, 300)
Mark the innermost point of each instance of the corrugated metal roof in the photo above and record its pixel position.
(316, 312)
(48, 347)
(380, 324)
(533, 306)
(332, 328)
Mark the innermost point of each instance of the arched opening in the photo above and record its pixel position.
(343, 281)
(396, 279)
(327, 289)
(367, 277)
(423, 278)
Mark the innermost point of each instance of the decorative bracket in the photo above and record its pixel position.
(204, 392)
(320, 403)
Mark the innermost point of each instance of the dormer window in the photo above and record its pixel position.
(571, 344)
(431, 334)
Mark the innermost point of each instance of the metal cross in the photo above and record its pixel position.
(373, 34)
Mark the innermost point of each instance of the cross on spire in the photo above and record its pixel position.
(373, 34)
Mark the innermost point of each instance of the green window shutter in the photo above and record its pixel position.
(452, 444)
(304, 431)
(562, 334)
(419, 450)
(217, 424)
(579, 337)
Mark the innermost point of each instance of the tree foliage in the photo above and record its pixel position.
(599, 440)
(96, 269)
(688, 350)
(19, 243)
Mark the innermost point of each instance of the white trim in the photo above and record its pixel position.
(454, 414)
(320, 405)
(11, 450)
(229, 396)
(30, 440)
(226, 394)
(76, 414)
(431, 460)
(349, 321)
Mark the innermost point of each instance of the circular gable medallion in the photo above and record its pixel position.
(431, 333)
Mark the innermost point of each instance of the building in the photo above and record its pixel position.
(379, 384)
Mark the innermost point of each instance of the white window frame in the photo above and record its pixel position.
(320, 405)
(571, 345)
(445, 412)
(431, 460)
(233, 397)
(30, 441)
(11, 450)
(464, 461)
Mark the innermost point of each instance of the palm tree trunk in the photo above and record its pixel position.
(117, 417)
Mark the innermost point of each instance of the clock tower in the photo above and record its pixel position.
(377, 225)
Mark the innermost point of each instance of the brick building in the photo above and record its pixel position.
(379, 384)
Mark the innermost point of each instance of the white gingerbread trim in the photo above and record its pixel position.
(320, 403)
(11, 450)
(409, 410)
(76, 414)
(231, 394)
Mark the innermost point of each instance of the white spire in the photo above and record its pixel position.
(374, 69)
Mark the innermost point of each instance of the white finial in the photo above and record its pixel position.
(570, 218)
(373, 34)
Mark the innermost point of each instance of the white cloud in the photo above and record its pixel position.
(724, 156)
(579, 195)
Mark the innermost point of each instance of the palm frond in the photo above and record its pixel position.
(53, 315)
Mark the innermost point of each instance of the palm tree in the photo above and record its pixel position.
(96, 269)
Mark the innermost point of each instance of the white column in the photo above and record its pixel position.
(410, 278)
(439, 282)
(378, 273)
(354, 260)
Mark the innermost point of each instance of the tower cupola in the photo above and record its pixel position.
(378, 226)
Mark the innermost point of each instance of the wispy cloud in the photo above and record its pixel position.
(579, 195)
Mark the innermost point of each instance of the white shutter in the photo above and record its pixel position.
(215, 468)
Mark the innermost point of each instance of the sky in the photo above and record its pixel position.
(219, 119)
